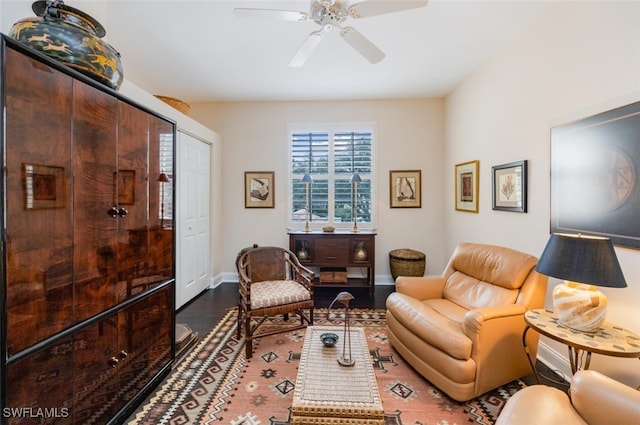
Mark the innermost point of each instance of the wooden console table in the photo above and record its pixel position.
(330, 250)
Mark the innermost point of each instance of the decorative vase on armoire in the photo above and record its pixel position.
(72, 37)
(88, 304)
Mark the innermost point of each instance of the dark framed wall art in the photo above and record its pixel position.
(509, 187)
(595, 165)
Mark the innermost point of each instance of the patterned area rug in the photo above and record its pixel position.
(216, 384)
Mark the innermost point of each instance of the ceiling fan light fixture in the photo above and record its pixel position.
(331, 14)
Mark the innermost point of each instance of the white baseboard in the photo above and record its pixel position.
(216, 281)
(555, 361)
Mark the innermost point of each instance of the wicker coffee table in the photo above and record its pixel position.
(327, 393)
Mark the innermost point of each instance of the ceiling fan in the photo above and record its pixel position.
(330, 15)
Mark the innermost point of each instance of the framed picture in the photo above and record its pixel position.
(126, 187)
(259, 189)
(44, 187)
(405, 189)
(509, 186)
(466, 178)
(595, 176)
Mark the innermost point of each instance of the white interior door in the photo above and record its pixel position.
(193, 244)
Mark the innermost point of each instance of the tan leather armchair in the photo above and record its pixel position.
(463, 330)
(595, 400)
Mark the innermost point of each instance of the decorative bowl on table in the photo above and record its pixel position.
(329, 339)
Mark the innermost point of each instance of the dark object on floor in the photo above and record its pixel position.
(186, 340)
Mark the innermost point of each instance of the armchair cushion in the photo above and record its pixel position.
(425, 320)
(277, 292)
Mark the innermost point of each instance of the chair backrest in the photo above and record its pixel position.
(265, 263)
(481, 275)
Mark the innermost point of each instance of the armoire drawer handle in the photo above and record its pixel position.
(331, 258)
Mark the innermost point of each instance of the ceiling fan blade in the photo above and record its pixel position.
(377, 7)
(283, 15)
(365, 47)
(307, 48)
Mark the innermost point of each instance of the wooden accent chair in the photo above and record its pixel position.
(272, 282)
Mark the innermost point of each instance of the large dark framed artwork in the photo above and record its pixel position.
(595, 167)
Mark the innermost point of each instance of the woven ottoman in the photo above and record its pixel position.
(406, 262)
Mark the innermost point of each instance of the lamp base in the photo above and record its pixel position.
(580, 307)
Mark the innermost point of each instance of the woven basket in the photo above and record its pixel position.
(175, 103)
(406, 262)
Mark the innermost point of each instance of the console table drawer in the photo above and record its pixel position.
(333, 250)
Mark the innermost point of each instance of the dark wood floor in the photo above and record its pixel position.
(203, 312)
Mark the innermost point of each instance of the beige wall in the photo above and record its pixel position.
(577, 59)
(409, 136)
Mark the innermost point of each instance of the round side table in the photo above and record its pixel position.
(609, 340)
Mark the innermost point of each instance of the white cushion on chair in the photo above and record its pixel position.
(277, 292)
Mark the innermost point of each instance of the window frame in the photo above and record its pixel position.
(331, 129)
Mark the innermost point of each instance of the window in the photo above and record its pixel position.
(332, 158)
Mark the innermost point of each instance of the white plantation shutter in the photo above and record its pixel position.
(331, 157)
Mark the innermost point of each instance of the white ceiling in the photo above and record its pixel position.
(200, 51)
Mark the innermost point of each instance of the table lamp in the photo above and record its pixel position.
(584, 262)
(355, 180)
(344, 298)
(307, 180)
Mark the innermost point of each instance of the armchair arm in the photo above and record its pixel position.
(421, 288)
(591, 391)
(476, 318)
(300, 273)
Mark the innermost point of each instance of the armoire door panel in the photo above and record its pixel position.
(133, 188)
(44, 380)
(38, 201)
(161, 235)
(95, 194)
(144, 342)
(96, 364)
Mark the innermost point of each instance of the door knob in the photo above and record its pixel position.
(122, 212)
(113, 211)
(113, 362)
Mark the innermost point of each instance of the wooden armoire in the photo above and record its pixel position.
(87, 263)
